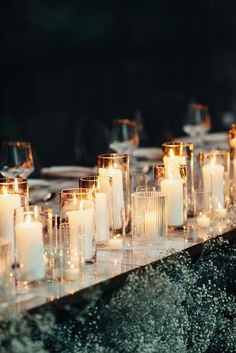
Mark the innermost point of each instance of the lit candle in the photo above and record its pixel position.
(232, 142)
(71, 273)
(213, 181)
(175, 162)
(101, 216)
(150, 225)
(8, 202)
(117, 203)
(173, 188)
(116, 243)
(203, 221)
(81, 222)
(221, 212)
(30, 249)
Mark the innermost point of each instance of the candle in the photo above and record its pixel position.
(115, 243)
(173, 189)
(81, 222)
(203, 221)
(150, 225)
(8, 202)
(174, 162)
(232, 142)
(117, 196)
(30, 249)
(101, 216)
(213, 182)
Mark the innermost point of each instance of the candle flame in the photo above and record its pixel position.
(213, 161)
(16, 187)
(110, 171)
(74, 198)
(81, 205)
(171, 154)
(36, 213)
(98, 185)
(28, 218)
(4, 190)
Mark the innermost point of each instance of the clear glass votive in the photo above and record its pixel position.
(33, 244)
(148, 215)
(202, 209)
(116, 167)
(215, 180)
(14, 193)
(182, 154)
(72, 252)
(78, 210)
(101, 189)
(138, 180)
(171, 181)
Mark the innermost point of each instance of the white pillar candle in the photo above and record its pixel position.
(115, 243)
(117, 193)
(174, 162)
(81, 222)
(150, 225)
(203, 221)
(8, 202)
(173, 188)
(213, 182)
(30, 249)
(101, 216)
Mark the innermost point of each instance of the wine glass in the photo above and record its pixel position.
(124, 136)
(197, 122)
(16, 159)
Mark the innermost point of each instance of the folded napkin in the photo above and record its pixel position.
(68, 171)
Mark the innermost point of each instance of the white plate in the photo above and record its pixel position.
(150, 153)
(68, 171)
(38, 183)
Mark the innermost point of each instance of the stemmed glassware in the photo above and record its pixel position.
(16, 159)
(124, 136)
(197, 122)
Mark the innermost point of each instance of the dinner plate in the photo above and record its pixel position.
(33, 183)
(149, 153)
(69, 171)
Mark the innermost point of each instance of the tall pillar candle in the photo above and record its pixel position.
(30, 249)
(8, 202)
(213, 182)
(101, 216)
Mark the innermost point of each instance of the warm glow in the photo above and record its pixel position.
(81, 205)
(16, 186)
(28, 218)
(115, 165)
(170, 171)
(4, 190)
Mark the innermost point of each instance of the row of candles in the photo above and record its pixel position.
(101, 211)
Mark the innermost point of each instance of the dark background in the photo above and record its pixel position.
(72, 61)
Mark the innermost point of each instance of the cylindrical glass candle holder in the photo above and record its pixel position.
(148, 216)
(202, 208)
(78, 210)
(116, 167)
(72, 252)
(232, 148)
(171, 181)
(182, 154)
(33, 239)
(101, 189)
(5, 273)
(14, 193)
(215, 180)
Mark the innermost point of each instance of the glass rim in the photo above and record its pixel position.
(113, 155)
(177, 143)
(12, 181)
(146, 194)
(216, 153)
(92, 178)
(75, 191)
(198, 106)
(17, 143)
